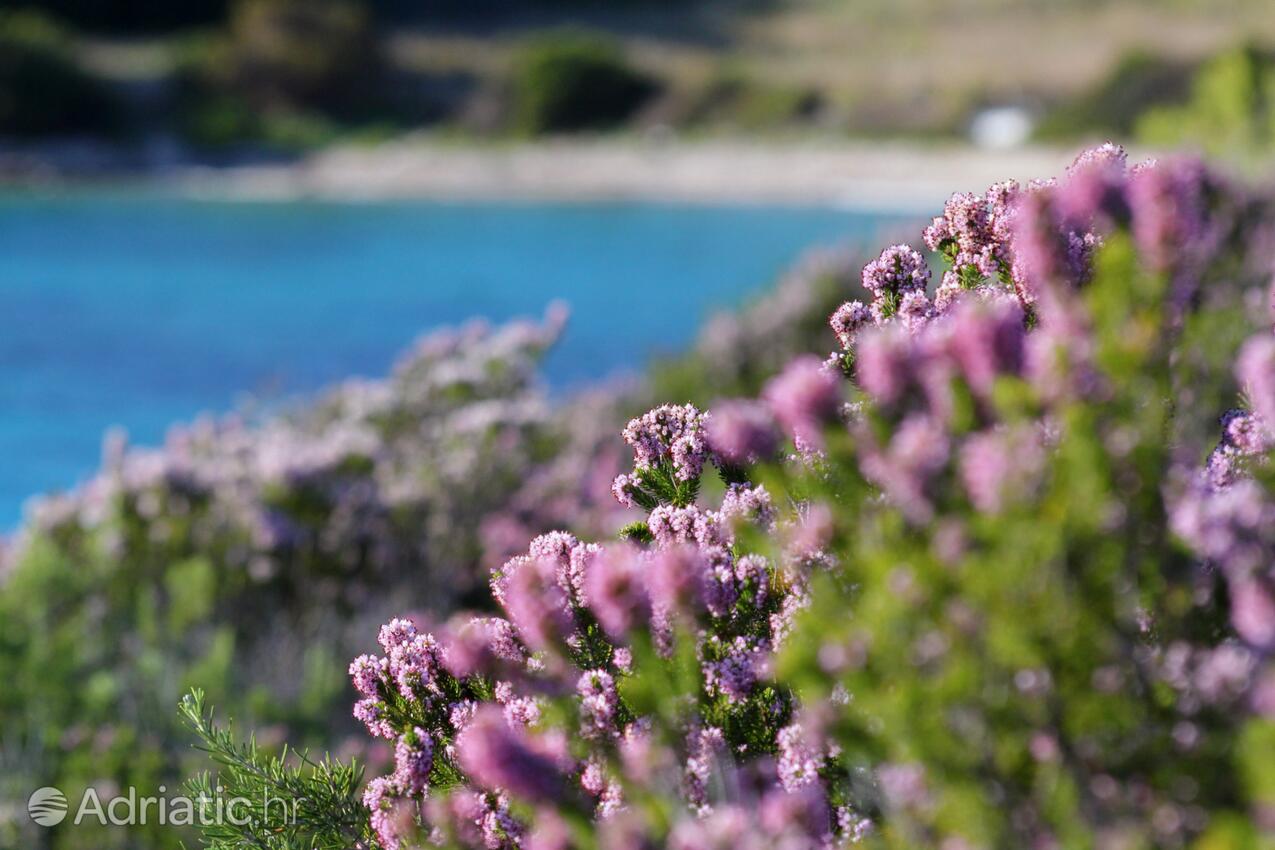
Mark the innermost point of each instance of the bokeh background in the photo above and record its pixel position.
(242, 416)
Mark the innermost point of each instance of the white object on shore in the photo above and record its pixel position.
(1001, 128)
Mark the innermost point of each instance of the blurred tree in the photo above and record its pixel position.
(574, 80)
(289, 72)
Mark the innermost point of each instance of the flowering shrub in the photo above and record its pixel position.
(248, 557)
(966, 583)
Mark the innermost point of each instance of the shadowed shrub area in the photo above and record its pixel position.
(1230, 110)
(288, 72)
(574, 80)
(43, 91)
(1139, 82)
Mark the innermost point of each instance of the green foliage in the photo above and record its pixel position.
(1139, 82)
(284, 802)
(575, 80)
(108, 617)
(288, 74)
(735, 99)
(43, 91)
(1231, 110)
(1007, 655)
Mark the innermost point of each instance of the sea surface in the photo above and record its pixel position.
(140, 310)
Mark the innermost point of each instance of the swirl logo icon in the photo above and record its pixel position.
(47, 806)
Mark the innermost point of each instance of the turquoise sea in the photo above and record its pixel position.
(139, 310)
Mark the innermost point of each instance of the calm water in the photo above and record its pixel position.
(141, 311)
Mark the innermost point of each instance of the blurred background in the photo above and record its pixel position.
(141, 287)
(224, 225)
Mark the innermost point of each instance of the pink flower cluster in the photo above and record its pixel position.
(472, 701)
(506, 730)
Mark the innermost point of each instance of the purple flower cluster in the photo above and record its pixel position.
(627, 669)
(475, 700)
(672, 435)
(1228, 517)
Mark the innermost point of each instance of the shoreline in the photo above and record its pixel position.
(889, 177)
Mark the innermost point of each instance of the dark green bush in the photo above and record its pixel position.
(575, 81)
(288, 73)
(42, 89)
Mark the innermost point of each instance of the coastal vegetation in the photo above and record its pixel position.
(995, 573)
(280, 77)
(989, 574)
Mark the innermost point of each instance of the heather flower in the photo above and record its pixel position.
(521, 711)
(391, 814)
(623, 489)
(724, 828)
(915, 311)
(997, 465)
(753, 572)
(986, 341)
(702, 748)
(1047, 254)
(594, 780)
(918, 450)
(1245, 438)
(747, 503)
(903, 785)
(967, 235)
(669, 434)
(799, 759)
(598, 704)
(556, 546)
(413, 760)
(1253, 612)
(367, 673)
(898, 271)
(806, 538)
(1255, 370)
(571, 578)
(757, 770)
(498, 757)
(396, 633)
(478, 820)
(615, 586)
(460, 716)
(1107, 155)
(537, 605)
(1168, 207)
(1233, 527)
(481, 644)
(670, 526)
(741, 432)
(797, 818)
(371, 713)
(884, 365)
(804, 397)
(735, 667)
(1093, 197)
(848, 320)
(414, 666)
